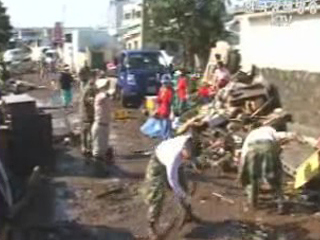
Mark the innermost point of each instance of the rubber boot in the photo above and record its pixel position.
(252, 191)
(280, 209)
(280, 203)
(152, 231)
(189, 217)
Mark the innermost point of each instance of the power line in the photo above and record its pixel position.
(64, 13)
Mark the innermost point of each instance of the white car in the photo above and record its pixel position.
(16, 55)
(12, 55)
(19, 60)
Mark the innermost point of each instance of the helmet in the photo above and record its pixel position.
(166, 79)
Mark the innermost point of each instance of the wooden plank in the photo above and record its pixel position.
(242, 95)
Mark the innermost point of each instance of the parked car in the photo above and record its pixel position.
(19, 60)
(12, 55)
(139, 74)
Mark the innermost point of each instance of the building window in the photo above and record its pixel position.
(127, 16)
(136, 45)
(68, 38)
(138, 14)
(129, 46)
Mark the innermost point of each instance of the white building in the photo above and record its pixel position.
(293, 46)
(131, 25)
(87, 44)
(115, 15)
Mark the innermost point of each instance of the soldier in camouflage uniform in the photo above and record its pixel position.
(165, 169)
(260, 160)
(87, 116)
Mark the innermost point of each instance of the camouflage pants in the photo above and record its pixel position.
(86, 136)
(262, 162)
(155, 188)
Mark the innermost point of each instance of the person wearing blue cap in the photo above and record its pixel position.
(164, 102)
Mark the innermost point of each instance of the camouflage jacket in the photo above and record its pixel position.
(87, 104)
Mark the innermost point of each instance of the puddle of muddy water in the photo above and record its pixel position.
(63, 208)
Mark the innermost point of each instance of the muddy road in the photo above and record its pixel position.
(77, 202)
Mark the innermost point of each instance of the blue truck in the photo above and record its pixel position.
(139, 74)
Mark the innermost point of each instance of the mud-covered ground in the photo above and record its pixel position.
(78, 202)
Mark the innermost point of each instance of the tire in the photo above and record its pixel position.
(124, 100)
(118, 93)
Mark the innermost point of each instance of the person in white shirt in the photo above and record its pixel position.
(165, 167)
(260, 160)
(102, 118)
(221, 76)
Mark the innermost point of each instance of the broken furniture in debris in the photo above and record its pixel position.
(240, 104)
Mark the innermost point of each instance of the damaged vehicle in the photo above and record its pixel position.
(19, 60)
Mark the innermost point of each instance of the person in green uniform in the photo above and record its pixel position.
(87, 116)
(165, 169)
(260, 160)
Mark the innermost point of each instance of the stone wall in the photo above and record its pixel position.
(300, 95)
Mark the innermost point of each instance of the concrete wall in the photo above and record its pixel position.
(288, 58)
(293, 47)
(300, 94)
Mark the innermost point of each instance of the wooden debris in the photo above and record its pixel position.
(121, 114)
(241, 95)
(230, 201)
(259, 110)
(113, 190)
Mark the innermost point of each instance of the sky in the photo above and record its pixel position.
(44, 13)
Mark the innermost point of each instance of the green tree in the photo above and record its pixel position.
(195, 24)
(5, 27)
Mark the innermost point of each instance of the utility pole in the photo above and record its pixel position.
(64, 14)
(143, 24)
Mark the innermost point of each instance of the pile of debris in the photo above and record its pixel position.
(245, 101)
